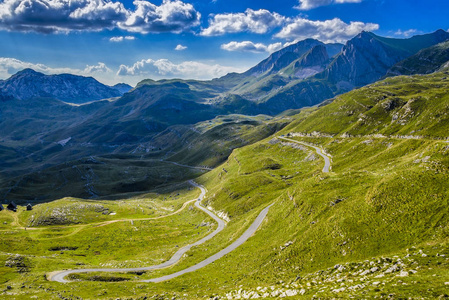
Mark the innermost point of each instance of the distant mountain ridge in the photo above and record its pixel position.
(425, 61)
(367, 57)
(309, 71)
(28, 84)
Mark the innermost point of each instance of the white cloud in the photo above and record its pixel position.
(180, 47)
(55, 16)
(163, 68)
(119, 39)
(170, 16)
(248, 46)
(48, 16)
(256, 21)
(96, 69)
(406, 33)
(310, 4)
(327, 31)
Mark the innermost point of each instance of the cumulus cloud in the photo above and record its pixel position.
(180, 47)
(49, 16)
(170, 16)
(248, 46)
(255, 21)
(310, 4)
(165, 68)
(328, 31)
(54, 16)
(95, 69)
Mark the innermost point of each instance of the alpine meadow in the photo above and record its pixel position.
(182, 149)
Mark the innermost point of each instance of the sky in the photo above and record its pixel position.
(128, 41)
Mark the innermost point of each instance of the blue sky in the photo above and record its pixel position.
(127, 41)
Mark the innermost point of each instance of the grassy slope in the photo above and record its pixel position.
(387, 192)
(425, 61)
(139, 168)
(394, 189)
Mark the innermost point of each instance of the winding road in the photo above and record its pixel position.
(245, 236)
(327, 160)
(60, 275)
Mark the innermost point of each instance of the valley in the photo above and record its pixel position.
(320, 173)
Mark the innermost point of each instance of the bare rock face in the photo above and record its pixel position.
(283, 57)
(317, 56)
(363, 60)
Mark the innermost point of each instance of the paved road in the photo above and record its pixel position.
(59, 276)
(245, 236)
(327, 161)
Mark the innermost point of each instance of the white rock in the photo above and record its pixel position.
(275, 293)
(403, 274)
(365, 272)
(341, 268)
(392, 269)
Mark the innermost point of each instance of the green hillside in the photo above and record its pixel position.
(425, 61)
(377, 225)
(387, 191)
(136, 168)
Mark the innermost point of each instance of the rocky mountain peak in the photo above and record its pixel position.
(317, 56)
(26, 72)
(367, 57)
(283, 57)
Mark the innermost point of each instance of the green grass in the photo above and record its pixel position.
(386, 193)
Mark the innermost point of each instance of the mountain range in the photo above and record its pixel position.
(41, 128)
(28, 84)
